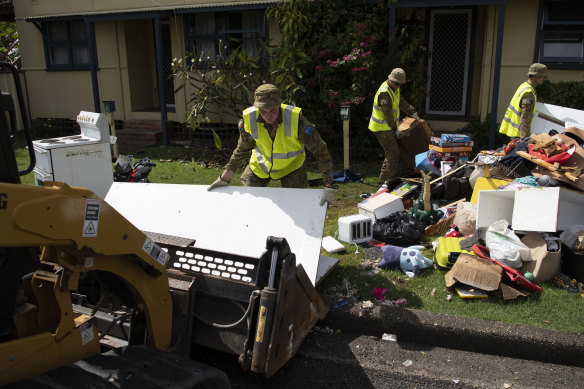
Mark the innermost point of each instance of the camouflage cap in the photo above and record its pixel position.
(538, 69)
(267, 95)
(398, 76)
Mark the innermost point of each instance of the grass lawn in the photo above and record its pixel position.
(351, 279)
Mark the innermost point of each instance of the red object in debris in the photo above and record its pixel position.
(560, 158)
(453, 232)
(513, 274)
(375, 243)
(511, 145)
(379, 292)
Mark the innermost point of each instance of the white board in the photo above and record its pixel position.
(325, 266)
(231, 219)
(572, 117)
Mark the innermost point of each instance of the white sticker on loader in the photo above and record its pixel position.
(155, 251)
(86, 333)
(91, 220)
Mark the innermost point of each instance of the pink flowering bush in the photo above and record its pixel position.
(350, 59)
(333, 53)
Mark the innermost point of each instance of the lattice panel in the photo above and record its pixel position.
(448, 61)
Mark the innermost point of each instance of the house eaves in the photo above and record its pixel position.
(443, 3)
(134, 13)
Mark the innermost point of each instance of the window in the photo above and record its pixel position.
(562, 35)
(66, 45)
(217, 34)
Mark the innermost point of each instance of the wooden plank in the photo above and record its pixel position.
(537, 161)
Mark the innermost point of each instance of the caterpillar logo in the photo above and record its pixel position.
(3, 200)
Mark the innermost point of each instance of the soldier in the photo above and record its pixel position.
(275, 135)
(517, 120)
(384, 121)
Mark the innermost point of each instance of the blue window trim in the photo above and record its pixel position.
(70, 44)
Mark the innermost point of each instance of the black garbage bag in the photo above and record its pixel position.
(398, 229)
(456, 188)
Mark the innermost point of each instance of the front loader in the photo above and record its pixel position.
(87, 299)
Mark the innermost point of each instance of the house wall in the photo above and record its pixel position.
(46, 89)
(518, 48)
(62, 94)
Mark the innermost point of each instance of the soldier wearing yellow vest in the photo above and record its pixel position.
(517, 120)
(387, 105)
(273, 136)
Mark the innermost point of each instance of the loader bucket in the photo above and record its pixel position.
(260, 309)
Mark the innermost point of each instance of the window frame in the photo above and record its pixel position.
(547, 26)
(191, 39)
(70, 42)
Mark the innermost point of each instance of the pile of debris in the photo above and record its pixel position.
(501, 223)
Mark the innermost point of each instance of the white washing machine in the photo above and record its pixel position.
(83, 160)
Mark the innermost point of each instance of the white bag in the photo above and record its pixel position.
(477, 173)
(505, 246)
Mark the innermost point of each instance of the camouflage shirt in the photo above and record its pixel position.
(385, 103)
(527, 103)
(307, 135)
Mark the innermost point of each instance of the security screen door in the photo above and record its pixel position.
(448, 61)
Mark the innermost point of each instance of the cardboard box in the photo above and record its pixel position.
(414, 138)
(476, 272)
(531, 209)
(381, 205)
(423, 163)
(450, 149)
(544, 264)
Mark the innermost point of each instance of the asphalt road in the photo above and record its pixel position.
(345, 360)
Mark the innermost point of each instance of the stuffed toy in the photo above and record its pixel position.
(409, 260)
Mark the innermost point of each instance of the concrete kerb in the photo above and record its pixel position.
(460, 333)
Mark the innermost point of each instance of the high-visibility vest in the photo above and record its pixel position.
(278, 158)
(512, 119)
(377, 121)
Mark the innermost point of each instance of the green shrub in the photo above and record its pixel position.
(565, 94)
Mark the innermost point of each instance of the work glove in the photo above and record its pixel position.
(328, 194)
(218, 182)
(416, 116)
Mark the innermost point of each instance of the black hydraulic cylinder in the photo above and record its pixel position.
(268, 299)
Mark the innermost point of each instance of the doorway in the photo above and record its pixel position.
(448, 62)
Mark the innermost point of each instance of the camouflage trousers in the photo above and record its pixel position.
(388, 142)
(297, 179)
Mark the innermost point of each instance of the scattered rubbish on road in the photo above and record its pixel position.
(389, 337)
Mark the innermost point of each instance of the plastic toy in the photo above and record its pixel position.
(409, 260)
(412, 260)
